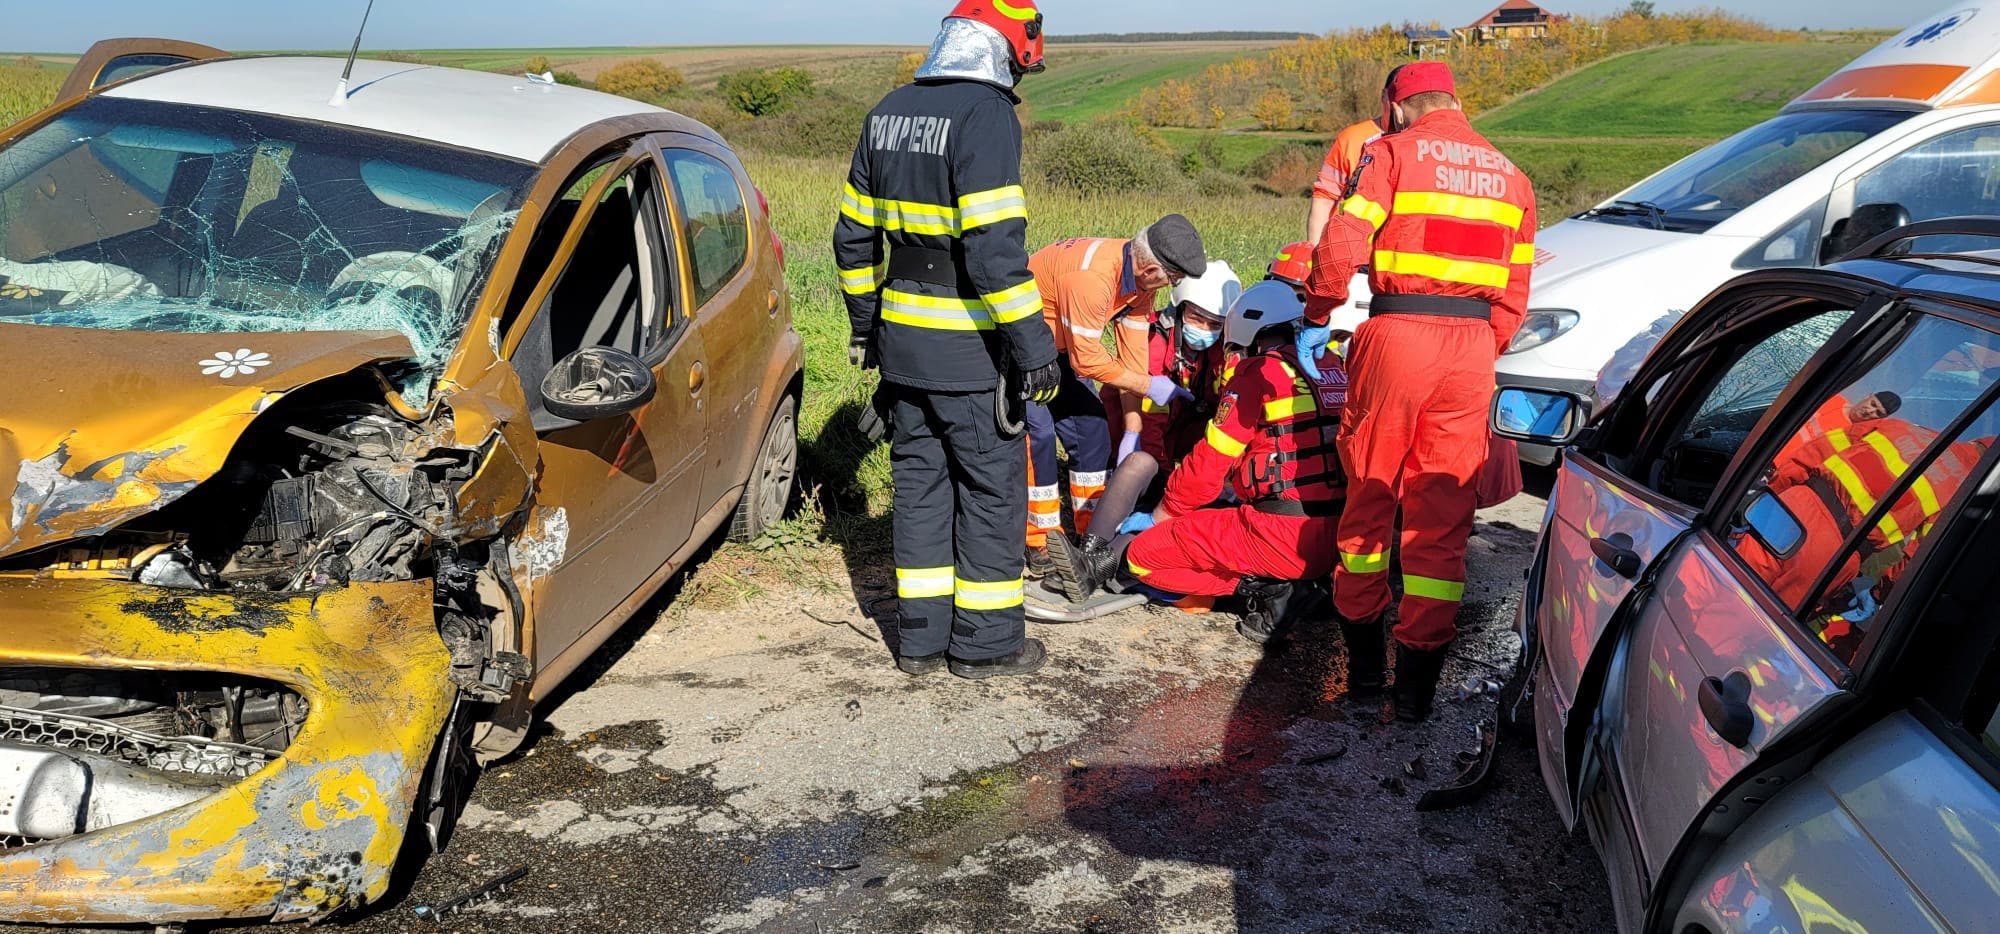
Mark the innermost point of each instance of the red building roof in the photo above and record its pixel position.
(1516, 13)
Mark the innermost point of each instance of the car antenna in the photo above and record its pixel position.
(340, 90)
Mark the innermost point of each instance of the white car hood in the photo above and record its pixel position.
(1618, 279)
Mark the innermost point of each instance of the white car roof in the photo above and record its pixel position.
(501, 114)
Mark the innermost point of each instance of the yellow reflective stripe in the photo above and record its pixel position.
(1864, 501)
(935, 312)
(1838, 438)
(1434, 588)
(1221, 441)
(1010, 305)
(1464, 272)
(863, 281)
(913, 216)
(916, 583)
(991, 207)
(1151, 407)
(1365, 564)
(1922, 490)
(859, 207)
(1367, 210)
(1524, 254)
(1926, 496)
(1462, 207)
(1014, 12)
(1289, 407)
(985, 595)
(1137, 571)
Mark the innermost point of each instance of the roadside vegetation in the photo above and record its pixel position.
(1097, 166)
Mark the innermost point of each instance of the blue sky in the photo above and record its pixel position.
(70, 25)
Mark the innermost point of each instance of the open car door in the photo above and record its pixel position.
(1630, 494)
(117, 59)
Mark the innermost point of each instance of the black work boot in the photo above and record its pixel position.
(920, 664)
(1366, 654)
(1417, 673)
(1025, 660)
(1083, 568)
(1269, 614)
(1038, 563)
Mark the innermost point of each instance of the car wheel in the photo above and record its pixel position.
(769, 490)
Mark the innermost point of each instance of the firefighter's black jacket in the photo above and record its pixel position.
(938, 167)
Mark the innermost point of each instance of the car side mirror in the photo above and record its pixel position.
(1537, 416)
(597, 382)
(1768, 519)
(1866, 223)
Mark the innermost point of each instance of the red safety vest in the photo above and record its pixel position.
(1293, 457)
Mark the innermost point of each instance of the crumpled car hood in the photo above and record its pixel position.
(100, 427)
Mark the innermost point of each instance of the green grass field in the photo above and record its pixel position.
(1091, 81)
(1698, 92)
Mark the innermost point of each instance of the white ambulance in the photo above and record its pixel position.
(1907, 132)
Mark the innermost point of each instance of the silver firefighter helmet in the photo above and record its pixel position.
(971, 50)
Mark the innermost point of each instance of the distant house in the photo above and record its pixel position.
(1514, 19)
(1426, 43)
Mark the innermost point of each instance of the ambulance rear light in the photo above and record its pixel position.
(1540, 326)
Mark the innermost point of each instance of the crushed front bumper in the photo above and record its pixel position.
(315, 831)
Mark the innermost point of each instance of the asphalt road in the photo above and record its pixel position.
(768, 769)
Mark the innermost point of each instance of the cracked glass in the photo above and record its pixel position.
(142, 216)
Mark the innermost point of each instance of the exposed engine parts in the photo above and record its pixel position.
(320, 493)
(80, 750)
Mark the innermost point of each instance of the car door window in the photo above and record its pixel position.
(1729, 390)
(610, 294)
(1885, 434)
(715, 221)
(1954, 175)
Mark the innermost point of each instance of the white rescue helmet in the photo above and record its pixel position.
(1213, 292)
(1268, 304)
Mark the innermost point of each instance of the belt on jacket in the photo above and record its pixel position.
(1298, 509)
(1443, 306)
(924, 264)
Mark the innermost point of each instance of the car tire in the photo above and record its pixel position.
(768, 494)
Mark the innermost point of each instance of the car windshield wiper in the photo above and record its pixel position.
(1653, 213)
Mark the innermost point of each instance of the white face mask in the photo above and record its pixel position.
(1197, 338)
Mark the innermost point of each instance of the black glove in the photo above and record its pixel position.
(1040, 385)
(861, 352)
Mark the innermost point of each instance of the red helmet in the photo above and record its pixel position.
(1293, 264)
(1018, 21)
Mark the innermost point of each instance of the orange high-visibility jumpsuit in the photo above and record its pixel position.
(1446, 225)
(1087, 285)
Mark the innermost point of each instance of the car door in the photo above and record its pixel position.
(1631, 491)
(112, 60)
(1897, 826)
(615, 496)
(734, 311)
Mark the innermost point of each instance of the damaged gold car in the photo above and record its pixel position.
(338, 432)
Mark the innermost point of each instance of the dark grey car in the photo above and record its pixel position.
(1760, 638)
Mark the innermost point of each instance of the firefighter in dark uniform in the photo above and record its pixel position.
(952, 317)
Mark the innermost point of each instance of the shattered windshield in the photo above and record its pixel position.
(141, 216)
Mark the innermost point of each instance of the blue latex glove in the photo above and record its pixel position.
(1311, 341)
(1136, 523)
(1164, 391)
(1127, 445)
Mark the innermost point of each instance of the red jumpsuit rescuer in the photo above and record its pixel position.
(1271, 443)
(951, 315)
(1445, 224)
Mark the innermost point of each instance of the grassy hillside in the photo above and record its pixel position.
(1089, 81)
(1699, 92)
